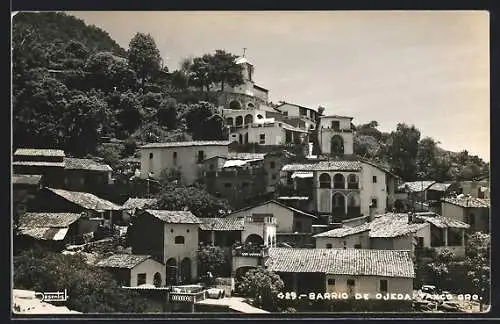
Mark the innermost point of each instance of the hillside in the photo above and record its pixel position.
(54, 29)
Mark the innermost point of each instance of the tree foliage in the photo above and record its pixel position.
(477, 263)
(193, 198)
(263, 286)
(90, 289)
(144, 57)
(213, 259)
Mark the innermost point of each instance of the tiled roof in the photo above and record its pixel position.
(345, 231)
(382, 226)
(468, 202)
(246, 156)
(174, 216)
(186, 143)
(139, 203)
(335, 116)
(31, 220)
(222, 224)
(416, 186)
(335, 165)
(124, 261)
(45, 233)
(277, 203)
(86, 200)
(39, 163)
(85, 164)
(26, 179)
(39, 152)
(357, 262)
(443, 222)
(440, 186)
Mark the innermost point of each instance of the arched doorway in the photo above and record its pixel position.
(254, 239)
(337, 145)
(235, 104)
(186, 270)
(171, 276)
(157, 281)
(338, 205)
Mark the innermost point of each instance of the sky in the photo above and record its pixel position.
(426, 68)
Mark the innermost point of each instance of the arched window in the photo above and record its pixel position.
(157, 280)
(229, 121)
(352, 182)
(248, 119)
(234, 105)
(337, 145)
(338, 181)
(150, 156)
(325, 180)
(179, 239)
(239, 121)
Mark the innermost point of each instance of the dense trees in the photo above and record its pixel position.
(90, 289)
(144, 57)
(413, 158)
(213, 259)
(263, 286)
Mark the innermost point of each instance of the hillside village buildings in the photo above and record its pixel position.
(325, 223)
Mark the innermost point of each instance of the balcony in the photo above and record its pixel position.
(265, 220)
(247, 250)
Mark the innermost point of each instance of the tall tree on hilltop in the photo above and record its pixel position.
(403, 150)
(225, 70)
(144, 57)
(426, 157)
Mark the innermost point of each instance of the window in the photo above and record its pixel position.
(141, 279)
(420, 241)
(150, 156)
(374, 203)
(329, 245)
(357, 246)
(175, 158)
(303, 111)
(171, 230)
(331, 282)
(351, 283)
(324, 180)
(374, 179)
(201, 156)
(274, 177)
(272, 164)
(383, 285)
(227, 185)
(262, 139)
(187, 230)
(179, 239)
(336, 125)
(285, 113)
